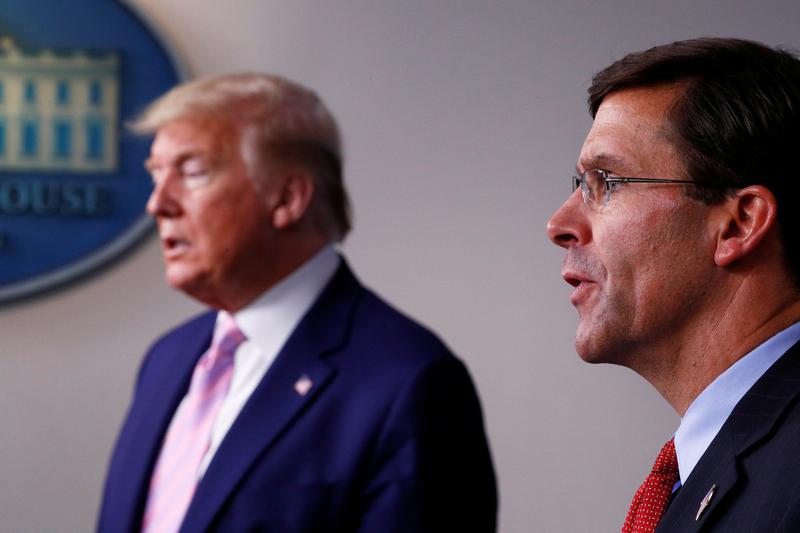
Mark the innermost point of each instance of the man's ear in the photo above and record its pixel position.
(744, 222)
(292, 198)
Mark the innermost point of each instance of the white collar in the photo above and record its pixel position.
(269, 319)
(709, 411)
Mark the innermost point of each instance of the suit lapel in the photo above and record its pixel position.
(280, 398)
(750, 423)
(157, 400)
(716, 473)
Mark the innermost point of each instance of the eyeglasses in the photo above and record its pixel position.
(597, 185)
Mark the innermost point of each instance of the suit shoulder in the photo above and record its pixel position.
(392, 335)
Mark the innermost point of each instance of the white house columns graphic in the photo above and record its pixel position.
(58, 109)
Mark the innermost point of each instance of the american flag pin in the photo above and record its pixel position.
(303, 385)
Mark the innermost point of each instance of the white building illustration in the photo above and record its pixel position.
(58, 110)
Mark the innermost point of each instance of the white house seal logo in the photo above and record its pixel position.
(72, 185)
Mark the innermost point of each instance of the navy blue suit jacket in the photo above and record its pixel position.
(753, 463)
(389, 439)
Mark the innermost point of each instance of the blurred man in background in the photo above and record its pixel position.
(301, 402)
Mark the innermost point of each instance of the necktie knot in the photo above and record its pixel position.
(232, 337)
(227, 338)
(651, 500)
(667, 460)
(218, 360)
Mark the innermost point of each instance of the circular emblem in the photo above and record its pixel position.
(72, 184)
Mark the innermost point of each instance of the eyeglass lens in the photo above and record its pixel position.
(593, 186)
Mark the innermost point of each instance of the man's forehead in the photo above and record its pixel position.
(181, 137)
(628, 124)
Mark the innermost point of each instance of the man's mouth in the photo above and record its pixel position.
(582, 283)
(173, 247)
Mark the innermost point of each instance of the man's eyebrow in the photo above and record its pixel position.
(601, 161)
(181, 158)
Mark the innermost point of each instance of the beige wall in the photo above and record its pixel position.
(462, 121)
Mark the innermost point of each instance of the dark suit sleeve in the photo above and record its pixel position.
(432, 470)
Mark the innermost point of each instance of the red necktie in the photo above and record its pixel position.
(651, 500)
(176, 472)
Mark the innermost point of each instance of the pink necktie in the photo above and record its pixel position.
(651, 500)
(175, 475)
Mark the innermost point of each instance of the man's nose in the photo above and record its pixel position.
(164, 200)
(567, 226)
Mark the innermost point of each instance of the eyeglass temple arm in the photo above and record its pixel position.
(618, 179)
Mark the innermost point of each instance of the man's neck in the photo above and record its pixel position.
(243, 290)
(681, 370)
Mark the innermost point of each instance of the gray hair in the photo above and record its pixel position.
(279, 122)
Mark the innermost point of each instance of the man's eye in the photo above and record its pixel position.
(195, 174)
(613, 185)
(196, 179)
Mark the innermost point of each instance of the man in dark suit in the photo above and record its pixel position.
(682, 243)
(302, 402)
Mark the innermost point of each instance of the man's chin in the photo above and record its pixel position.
(590, 358)
(197, 287)
(603, 350)
(184, 281)
(589, 349)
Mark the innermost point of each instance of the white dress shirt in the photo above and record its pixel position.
(709, 411)
(267, 323)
